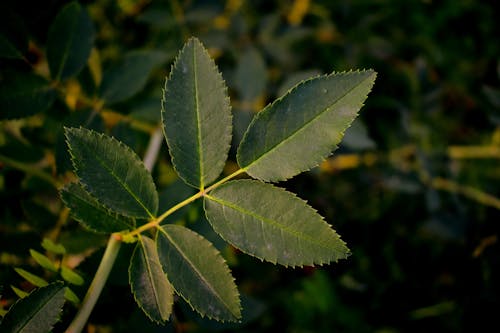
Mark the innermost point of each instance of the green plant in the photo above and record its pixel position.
(116, 194)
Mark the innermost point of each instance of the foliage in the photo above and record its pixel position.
(412, 188)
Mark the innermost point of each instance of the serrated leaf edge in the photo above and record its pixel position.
(140, 244)
(229, 133)
(227, 270)
(136, 159)
(100, 205)
(291, 90)
(312, 263)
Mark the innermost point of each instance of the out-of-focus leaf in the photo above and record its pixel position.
(69, 295)
(43, 261)
(299, 130)
(198, 273)
(31, 278)
(37, 312)
(13, 36)
(90, 213)
(23, 95)
(251, 74)
(152, 290)
(356, 137)
(50, 246)
(8, 50)
(71, 276)
(196, 116)
(272, 224)
(112, 173)
(20, 293)
(128, 78)
(69, 41)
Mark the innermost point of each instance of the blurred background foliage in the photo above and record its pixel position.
(413, 189)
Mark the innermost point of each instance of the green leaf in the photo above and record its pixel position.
(50, 246)
(31, 278)
(43, 261)
(37, 312)
(299, 130)
(24, 95)
(8, 50)
(112, 173)
(251, 75)
(130, 76)
(196, 116)
(198, 273)
(90, 213)
(20, 293)
(151, 289)
(69, 295)
(69, 42)
(71, 276)
(272, 224)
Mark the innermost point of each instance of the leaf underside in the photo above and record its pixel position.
(272, 224)
(151, 289)
(112, 173)
(299, 130)
(37, 312)
(90, 213)
(196, 116)
(198, 273)
(69, 41)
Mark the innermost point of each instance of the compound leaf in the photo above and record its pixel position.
(43, 260)
(198, 273)
(90, 213)
(152, 290)
(69, 41)
(112, 173)
(37, 312)
(272, 224)
(299, 130)
(196, 116)
(31, 278)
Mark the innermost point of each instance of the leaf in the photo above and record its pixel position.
(43, 261)
(112, 173)
(69, 295)
(8, 50)
(251, 75)
(196, 116)
(272, 224)
(299, 130)
(69, 42)
(31, 278)
(37, 312)
(198, 273)
(90, 213)
(130, 76)
(24, 95)
(72, 277)
(50, 246)
(151, 289)
(20, 293)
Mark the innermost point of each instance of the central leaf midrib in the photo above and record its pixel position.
(198, 273)
(124, 185)
(198, 123)
(304, 126)
(269, 221)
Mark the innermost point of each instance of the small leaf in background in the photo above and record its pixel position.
(69, 295)
(299, 130)
(71, 276)
(70, 40)
(127, 79)
(13, 36)
(152, 290)
(250, 76)
(356, 137)
(50, 246)
(31, 278)
(196, 116)
(112, 173)
(37, 312)
(20, 293)
(90, 213)
(23, 95)
(198, 273)
(272, 224)
(43, 261)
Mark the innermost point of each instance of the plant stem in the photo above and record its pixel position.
(30, 170)
(96, 286)
(153, 149)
